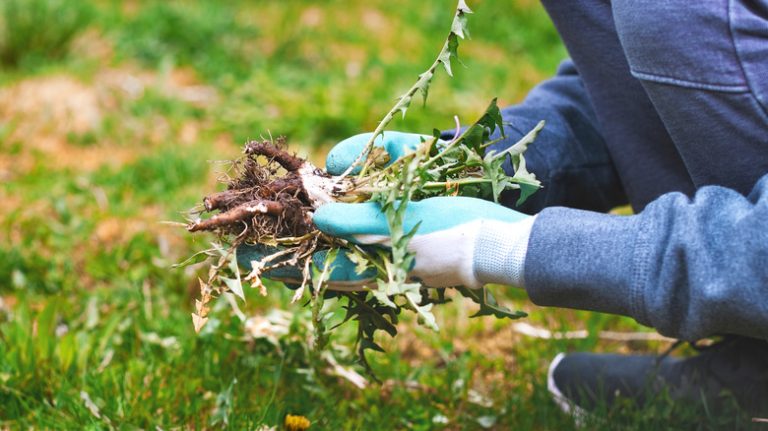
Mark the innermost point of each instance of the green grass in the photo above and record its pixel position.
(95, 328)
(33, 32)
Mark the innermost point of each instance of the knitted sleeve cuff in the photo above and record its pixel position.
(500, 249)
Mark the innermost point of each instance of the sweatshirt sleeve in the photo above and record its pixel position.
(569, 155)
(689, 268)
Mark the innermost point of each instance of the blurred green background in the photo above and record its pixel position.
(112, 115)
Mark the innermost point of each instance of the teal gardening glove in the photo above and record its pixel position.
(397, 144)
(460, 241)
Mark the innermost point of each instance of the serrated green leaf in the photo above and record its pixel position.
(445, 56)
(459, 25)
(195, 258)
(382, 293)
(404, 104)
(492, 118)
(494, 114)
(488, 304)
(439, 297)
(423, 84)
(224, 406)
(526, 190)
(370, 313)
(322, 275)
(361, 262)
(522, 144)
(478, 133)
(411, 233)
(471, 158)
(425, 311)
(474, 136)
(526, 180)
(366, 344)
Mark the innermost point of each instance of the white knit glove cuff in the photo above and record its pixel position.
(499, 255)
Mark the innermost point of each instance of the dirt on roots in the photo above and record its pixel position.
(265, 197)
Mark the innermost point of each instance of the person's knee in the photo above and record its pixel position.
(678, 42)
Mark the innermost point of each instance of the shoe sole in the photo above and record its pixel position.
(568, 407)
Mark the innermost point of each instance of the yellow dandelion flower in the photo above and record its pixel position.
(296, 423)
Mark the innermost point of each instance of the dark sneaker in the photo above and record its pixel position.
(733, 369)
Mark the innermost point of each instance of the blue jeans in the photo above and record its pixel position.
(661, 96)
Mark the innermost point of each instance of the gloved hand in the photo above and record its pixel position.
(460, 241)
(341, 156)
(342, 276)
(397, 144)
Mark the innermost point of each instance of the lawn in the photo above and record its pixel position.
(113, 116)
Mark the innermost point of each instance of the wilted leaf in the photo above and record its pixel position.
(235, 285)
(486, 421)
(93, 408)
(463, 7)
(198, 322)
(459, 25)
